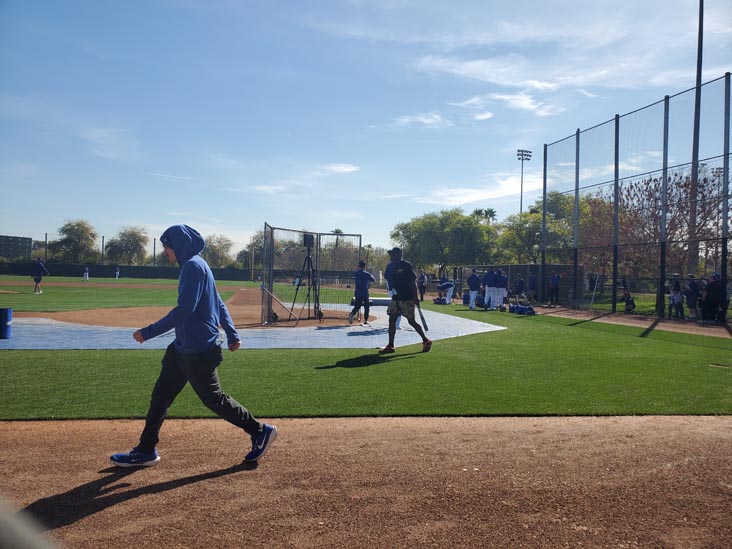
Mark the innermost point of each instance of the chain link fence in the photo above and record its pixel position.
(629, 207)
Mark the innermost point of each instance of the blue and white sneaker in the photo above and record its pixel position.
(136, 458)
(262, 442)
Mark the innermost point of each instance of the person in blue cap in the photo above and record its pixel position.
(194, 354)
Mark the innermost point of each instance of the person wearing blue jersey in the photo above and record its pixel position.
(37, 274)
(422, 284)
(361, 294)
(473, 287)
(447, 288)
(195, 353)
(554, 289)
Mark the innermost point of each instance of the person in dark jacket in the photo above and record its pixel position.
(194, 354)
(489, 286)
(691, 292)
(422, 284)
(404, 299)
(37, 274)
(554, 289)
(519, 288)
(532, 288)
(473, 287)
(363, 279)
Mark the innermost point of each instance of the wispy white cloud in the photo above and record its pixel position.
(587, 93)
(104, 141)
(169, 176)
(604, 43)
(111, 143)
(505, 70)
(339, 168)
(306, 181)
(524, 101)
(271, 189)
(427, 119)
(396, 195)
(483, 115)
(343, 215)
(498, 185)
(521, 101)
(225, 161)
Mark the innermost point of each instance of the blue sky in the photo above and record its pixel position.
(349, 114)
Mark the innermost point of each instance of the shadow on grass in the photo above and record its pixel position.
(364, 361)
(95, 496)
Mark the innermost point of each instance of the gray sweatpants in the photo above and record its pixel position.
(198, 369)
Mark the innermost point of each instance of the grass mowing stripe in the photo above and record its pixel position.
(540, 365)
(544, 369)
(26, 281)
(65, 298)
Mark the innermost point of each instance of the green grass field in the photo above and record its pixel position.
(540, 365)
(645, 304)
(112, 294)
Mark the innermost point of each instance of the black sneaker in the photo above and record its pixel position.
(262, 442)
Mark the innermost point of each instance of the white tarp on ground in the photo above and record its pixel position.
(41, 333)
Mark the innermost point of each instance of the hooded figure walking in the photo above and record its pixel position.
(195, 353)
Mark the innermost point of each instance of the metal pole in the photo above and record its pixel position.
(522, 154)
(102, 249)
(540, 281)
(725, 181)
(45, 249)
(521, 199)
(660, 293)
(575, 258)
(694, 191)
(616, 208)
(154, 253)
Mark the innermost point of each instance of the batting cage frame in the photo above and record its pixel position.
(307, 275)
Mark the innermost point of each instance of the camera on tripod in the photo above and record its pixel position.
(308, 240)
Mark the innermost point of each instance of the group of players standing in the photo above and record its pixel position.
(706, 299)
(495, 286)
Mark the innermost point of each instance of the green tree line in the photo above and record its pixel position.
(439, 240)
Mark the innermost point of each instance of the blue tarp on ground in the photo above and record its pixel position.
(41, 333)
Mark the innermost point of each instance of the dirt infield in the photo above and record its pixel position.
(390, 482)
(379, 482)
(245, 307)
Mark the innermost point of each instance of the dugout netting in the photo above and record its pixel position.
(307, 275)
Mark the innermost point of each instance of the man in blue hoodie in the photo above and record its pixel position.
(195, 353)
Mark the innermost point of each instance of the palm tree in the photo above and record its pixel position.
(488, 214)
(338, 233)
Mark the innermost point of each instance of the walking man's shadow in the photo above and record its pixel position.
(367, 360)
(95, 496)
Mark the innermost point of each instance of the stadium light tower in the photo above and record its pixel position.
(522, 155)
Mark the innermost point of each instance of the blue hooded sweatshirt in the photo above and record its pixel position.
(200, 309)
